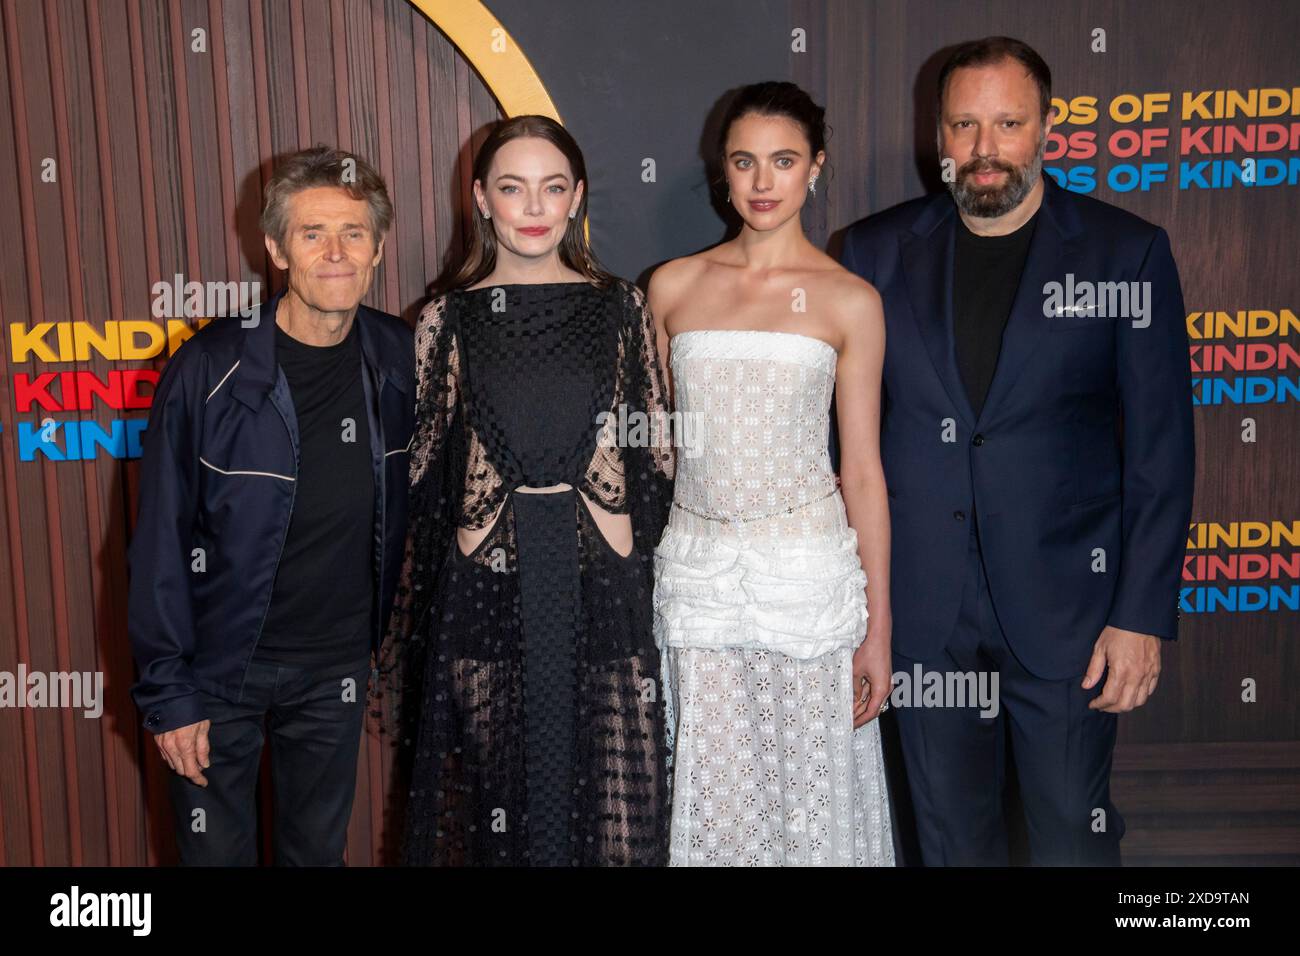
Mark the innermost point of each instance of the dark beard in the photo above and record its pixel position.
(989, 202)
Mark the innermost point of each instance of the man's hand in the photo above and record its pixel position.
(1134, 663)
(186, 750)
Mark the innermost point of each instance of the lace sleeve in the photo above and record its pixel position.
(649, 467)
(436, 479)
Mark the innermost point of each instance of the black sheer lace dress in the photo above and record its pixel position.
(540, 720)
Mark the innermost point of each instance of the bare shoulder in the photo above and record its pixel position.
(854, 298)
(856, 308)
(672, 279)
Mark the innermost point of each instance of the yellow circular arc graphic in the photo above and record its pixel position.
(494, 54)
(496, 57)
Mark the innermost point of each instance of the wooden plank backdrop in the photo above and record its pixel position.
(161, 157)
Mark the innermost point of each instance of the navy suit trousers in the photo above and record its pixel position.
(956, 759)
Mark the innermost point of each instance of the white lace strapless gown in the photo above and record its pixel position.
(759, 606)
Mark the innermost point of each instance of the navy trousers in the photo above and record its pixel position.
(956, 759)
(314, 718)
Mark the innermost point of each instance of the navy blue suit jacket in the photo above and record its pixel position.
(1079, 468)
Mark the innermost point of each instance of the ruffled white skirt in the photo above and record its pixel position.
(757, 627)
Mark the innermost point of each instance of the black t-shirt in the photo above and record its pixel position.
(986, 275)
(321, 602)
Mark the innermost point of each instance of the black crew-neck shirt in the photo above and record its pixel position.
(320, 610)
(986, 275)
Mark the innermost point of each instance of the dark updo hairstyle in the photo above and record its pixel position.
(481, 256)
(774, 98)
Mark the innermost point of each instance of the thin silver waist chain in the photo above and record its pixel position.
(748, 518)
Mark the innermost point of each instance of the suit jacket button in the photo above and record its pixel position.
(959, 515)
(977, 440)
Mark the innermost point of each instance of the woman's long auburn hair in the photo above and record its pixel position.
(481, 256)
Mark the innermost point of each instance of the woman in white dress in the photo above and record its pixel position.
(774, 672)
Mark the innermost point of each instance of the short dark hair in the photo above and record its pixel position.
(324, 166)
(992, 50)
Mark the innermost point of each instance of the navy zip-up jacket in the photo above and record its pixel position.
(216, 494)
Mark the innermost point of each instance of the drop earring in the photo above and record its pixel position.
(812, 185)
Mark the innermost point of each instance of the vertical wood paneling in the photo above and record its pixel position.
(263, 145)
(67, 605)
(15, 735)
(155, 832)
(114, 654)
(384, 133)
(320, 73)
(163, 153)
(189, 211)
(299, 46)
(225, 150)
(36, 597)
(342, 97)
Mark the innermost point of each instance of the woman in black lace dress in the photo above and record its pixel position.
(525, 600)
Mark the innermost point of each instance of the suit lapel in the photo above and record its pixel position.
(1051, 250)
(927, 258)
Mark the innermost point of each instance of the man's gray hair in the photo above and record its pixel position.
(324, 166)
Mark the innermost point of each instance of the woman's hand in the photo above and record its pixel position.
(872, 663)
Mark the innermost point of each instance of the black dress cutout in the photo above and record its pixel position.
(531, 659)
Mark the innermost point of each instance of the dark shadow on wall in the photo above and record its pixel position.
(247, 226)
(119, 675)
(709, 154)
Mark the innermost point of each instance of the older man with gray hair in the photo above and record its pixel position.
(272, 521)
